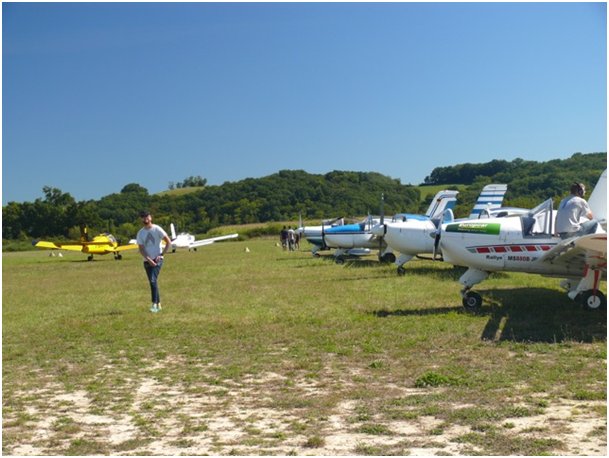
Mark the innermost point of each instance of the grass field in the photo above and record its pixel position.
(266, 352)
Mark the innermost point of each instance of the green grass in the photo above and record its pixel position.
(283, 347)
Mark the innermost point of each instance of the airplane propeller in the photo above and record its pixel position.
(447, 216)
(380, 230)
(436, 242)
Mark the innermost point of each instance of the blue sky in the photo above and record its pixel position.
(99, 95)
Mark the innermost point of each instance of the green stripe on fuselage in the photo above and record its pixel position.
(475, 228)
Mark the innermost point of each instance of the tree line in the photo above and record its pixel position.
(288, 194)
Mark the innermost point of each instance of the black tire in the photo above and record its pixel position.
(401, 271)
(593, 300)
(472, 301)
(388, 258)
(339, 260)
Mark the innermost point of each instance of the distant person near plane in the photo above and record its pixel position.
(571, 211)
(149, 240)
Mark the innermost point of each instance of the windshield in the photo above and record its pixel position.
(539, 220)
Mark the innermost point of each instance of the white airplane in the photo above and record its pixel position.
(186, 240)
(412, 235)
(527, 243)
(315, 234)
(359, 238)
(181, 240)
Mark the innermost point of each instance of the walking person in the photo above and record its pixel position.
(574, 216)
(291, 234)
(149, 239)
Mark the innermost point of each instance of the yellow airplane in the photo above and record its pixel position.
(101, 244)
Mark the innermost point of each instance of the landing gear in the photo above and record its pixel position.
(118, 257)
(593, 300)
(90, 257)
(472, 301)
(339, 260)
(387, 258)
(401, 271)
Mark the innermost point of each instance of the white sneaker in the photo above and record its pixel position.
(154, 308)
(158, 307)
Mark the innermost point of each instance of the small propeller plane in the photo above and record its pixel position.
(101, 244)
(359, 237)
(186, 240)
(315, 234)
(410, 234)
(181, 240)
(527, 243)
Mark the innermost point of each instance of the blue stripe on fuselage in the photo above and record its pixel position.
(346, 229)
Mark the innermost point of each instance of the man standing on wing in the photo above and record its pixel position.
(149, 240)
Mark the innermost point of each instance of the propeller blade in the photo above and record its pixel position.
(436, 242)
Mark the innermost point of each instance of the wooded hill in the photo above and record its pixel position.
(288, 193)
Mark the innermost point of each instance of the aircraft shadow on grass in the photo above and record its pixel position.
(527, 315)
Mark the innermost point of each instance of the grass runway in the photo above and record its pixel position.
(268, 352)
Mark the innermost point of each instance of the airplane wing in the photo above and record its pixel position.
(593, 243)
(211, 240)
(59, 246)
(578, 252)
(130, 246)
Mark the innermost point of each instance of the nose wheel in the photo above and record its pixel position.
(472, 301)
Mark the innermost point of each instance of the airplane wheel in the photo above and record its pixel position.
(339, 260)
(90, 257)
(472, 301)
(401, 271)
(593, 300)
(388, 258)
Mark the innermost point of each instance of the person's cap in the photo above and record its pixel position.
(144, 213)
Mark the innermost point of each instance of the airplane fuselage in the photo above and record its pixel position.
(351, 236)
(413, 236)
(499, 244)
(101, 244)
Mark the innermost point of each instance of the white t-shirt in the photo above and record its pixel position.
(571, 211)
(151, 239)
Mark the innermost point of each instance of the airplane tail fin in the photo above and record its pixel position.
(173, 231)
(443, 200)
(490, 198)
(598, 198)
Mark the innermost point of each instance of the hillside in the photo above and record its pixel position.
(285, 195)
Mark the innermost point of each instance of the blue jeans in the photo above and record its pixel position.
(153, 274)
(589, 227)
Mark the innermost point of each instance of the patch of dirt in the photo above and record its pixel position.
(244, 418)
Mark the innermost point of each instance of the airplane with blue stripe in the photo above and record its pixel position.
(358, 238)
